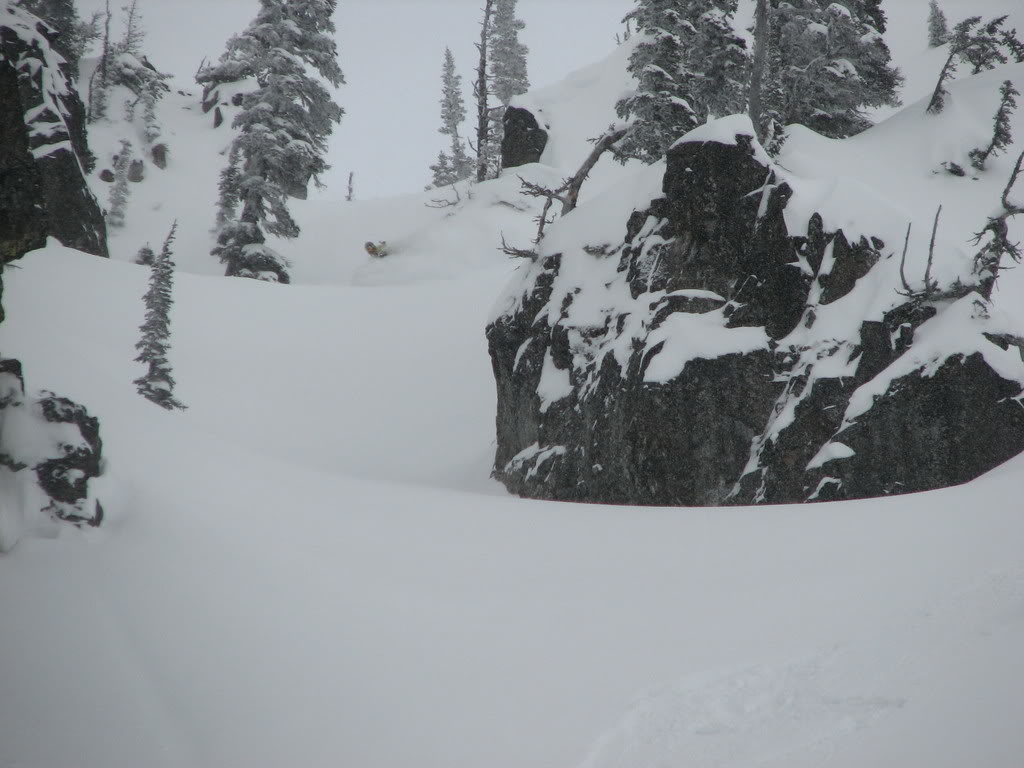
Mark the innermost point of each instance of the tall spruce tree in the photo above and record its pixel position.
(508, 72)
(690, 66)
(828, 63)
(1002, 135)
(454, 165)
(283, 125)
(938, 28)
(157, 383)
(660, 109)
(508, 55)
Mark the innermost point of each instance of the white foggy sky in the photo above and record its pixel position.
(390, 51)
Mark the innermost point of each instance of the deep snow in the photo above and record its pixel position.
(310, 567)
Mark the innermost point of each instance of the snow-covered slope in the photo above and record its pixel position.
(310, 567)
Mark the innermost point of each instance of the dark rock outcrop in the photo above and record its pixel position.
(524, 140)
(136, 171)
(716, 371)
(43, 149)
(65, 478)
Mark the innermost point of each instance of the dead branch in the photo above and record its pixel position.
(928, 285)
(903, 262)
(989, 260)
(518, 253)
(576, 182)
(444, 202)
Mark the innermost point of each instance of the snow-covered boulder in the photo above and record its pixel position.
(43, 150)
(50, 448)
(722, 345)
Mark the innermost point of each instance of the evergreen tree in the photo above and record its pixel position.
(120, 190)
(938, 29)
(157, 383)
(508, 55)
(718, 59)
(508, 75)
(145, 256)
(690, 67)
(455, 165)
(283, 125)
(660, 109)
(828, 63)
(1002, 135)
(227, 199)
(100, 80)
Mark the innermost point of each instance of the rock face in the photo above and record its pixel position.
(716, 357)
(43, 150)
(524, 140)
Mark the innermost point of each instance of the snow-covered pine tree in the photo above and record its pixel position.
(120, 189)
(283, 125)
(145, 256)
(508, 73)
(660, 107)
(227, 197)
(456, 164)
(508, 55)
(157, 383)
(828, 63)
(691, 66)
(718, 59)
(1002, 135)
(938, 28)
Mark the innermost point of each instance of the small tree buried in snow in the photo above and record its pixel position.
(938, 29)
(283, 126)
(1001, 134)
(120, 191)
(157, 384)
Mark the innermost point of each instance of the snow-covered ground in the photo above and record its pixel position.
(310, 566)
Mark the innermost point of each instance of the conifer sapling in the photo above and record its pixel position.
(157, 383)
(1002, 135)
(938, 30)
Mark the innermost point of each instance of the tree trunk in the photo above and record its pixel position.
(755, 103)
(483, 116)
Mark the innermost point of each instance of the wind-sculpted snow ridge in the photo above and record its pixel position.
(733, 347)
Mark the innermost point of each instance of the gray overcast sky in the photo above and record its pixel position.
(390, 51)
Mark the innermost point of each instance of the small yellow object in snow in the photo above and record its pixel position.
(379, 251)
